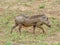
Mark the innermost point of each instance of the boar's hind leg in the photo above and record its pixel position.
(13, 27)
(20, 26)
(34, 29)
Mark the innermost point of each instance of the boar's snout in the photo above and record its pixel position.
(49, 26)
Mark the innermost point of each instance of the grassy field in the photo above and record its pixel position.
(11, 8)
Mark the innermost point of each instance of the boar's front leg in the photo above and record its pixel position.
(42, 29)
(34, 26)
(14, 27)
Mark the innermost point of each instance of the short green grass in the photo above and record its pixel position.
(56, 44)
(41, 6)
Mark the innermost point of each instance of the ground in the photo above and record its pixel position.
(11, 8)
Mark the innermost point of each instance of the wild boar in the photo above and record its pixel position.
(34, 20)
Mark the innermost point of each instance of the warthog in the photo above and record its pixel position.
(35, 21)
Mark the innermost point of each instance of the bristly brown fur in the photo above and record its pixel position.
(35, 21)
(36, 16)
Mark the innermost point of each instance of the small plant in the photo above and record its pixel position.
(8, 43)
(26, 4)
(41, 6)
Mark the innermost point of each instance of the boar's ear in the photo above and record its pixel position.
(47, 18)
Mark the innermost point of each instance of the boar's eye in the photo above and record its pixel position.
(46, 19)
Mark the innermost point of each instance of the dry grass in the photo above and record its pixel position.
(11, 8)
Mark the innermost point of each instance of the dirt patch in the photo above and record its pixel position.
(1, 33)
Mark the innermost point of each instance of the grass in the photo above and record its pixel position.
(26, 37)
(56, 44)
(8, 43)
(58, 1)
